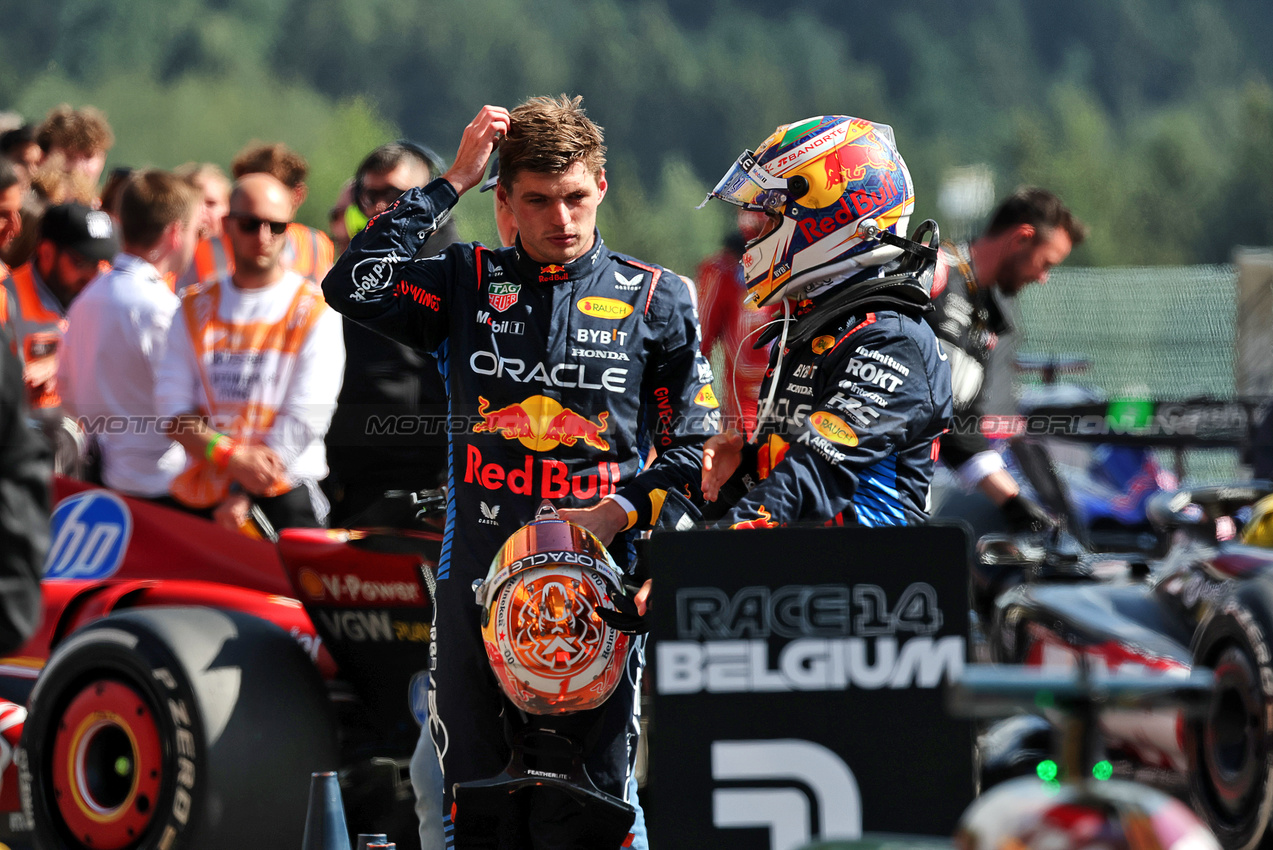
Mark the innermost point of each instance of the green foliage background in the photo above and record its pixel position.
(1152, 118)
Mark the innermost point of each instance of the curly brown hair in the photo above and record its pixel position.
(52, 182)
(278, 160)
(82, 131)
(549, 135)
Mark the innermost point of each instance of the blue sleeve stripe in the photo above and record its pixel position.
(877, 500)
(448, 537)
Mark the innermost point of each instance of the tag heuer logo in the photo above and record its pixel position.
(490, 515)
(503, 295)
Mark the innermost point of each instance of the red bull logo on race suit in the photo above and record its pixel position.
(545, 477)
(553, 274)
(541, 424)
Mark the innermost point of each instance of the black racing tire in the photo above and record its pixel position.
(180, 728)
(1230, 748)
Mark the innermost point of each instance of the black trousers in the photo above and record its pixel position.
(467, 716)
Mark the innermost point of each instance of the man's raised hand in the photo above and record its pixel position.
(476, 146)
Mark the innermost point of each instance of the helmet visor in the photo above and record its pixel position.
(746, 184)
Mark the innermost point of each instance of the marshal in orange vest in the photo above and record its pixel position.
(245, 420)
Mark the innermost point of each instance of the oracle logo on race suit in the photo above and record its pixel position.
(548, 479)
(358, 589)
(566, 375)
(90, 533)
(541, 424)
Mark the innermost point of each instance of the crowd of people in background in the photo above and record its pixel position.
(65, 230)
(181, 329)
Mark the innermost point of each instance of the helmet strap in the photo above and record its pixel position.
(767, 408)
(623, 617)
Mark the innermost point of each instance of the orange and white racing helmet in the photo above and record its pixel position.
(556, 620)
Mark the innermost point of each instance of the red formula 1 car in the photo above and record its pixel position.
(186, 680)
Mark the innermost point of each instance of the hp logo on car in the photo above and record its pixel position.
(90, 536)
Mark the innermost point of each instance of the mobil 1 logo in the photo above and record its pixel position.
(798, 679)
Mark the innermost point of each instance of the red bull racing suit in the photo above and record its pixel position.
(862, 397)
(559, 380)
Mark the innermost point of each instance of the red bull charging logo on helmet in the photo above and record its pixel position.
(541, 424)
(850, 161)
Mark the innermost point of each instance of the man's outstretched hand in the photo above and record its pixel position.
(476, 146)
(605, 519)
(721, 455)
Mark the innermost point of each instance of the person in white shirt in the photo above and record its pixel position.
(116, 332)
(251, 374)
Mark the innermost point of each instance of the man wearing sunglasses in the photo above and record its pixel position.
(251, 375)
(306, 251)
(74, 241)
(385, 378)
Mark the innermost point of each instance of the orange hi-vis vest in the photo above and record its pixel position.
(213, 261)
(4, 294)
(37, 330)
(249, 419)
(308, 252)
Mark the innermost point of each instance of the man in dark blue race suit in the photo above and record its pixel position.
(564, 362)
(857, 393)
(851, 436)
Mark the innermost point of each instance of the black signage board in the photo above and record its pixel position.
(1196, 424)
(797, 680)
